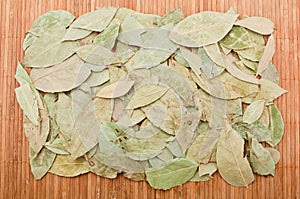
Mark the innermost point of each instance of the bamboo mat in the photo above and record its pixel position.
(16, 180)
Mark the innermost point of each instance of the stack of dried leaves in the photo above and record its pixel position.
(167, 99)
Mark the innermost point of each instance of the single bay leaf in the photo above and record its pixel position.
(87, 126)
(64, 115)
(50, 20)
(269, 90)
(98, 78)
(205, 172)
(148, 58)
(96, 20)
(61, 77)
(97, 55)
(103, 109)
(28, 40)
(271, 74)
(49, 50)
(267, 55)
(211, 28)
(276, 124)
(173, 17)
(158, 38)
(260, 25)
(40, 163)
(274, 153)
(108, 37)
(238, 38)
(81, 97)
(21, 75)
(254, 111)
(146, 95)
(28, 102)
(65, 166)
(115, 90)
(175, 149)
(37, 134)
(261, 159)
(233, 167)
(173, 174)
(73, 34)
(142, 77)
(144, 149)
(56, 146)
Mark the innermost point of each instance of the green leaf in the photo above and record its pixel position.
(97, 55)
(65, 166)
(148, 58)
(173, 174)
(28, 40)
(98, 78)
(37, 134)
(271, 74)
(40, 163)
(276, 124)
(261, 159)
(28, 102)
(73, 34)
(96, 20)
(230, 155)
(50, 20)
(57, 147)
(145, 95)
(238, 38)
(254, 111)
(211, 27)
(158, 38)
(269, 90)
(61, 77)
(108, 37)
(49, 50)
(260, 25)
(171, 17)
(144, 149)
(116, 89)
(64, 115)
(267, 55)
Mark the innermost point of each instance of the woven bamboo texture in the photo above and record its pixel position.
(16, 180)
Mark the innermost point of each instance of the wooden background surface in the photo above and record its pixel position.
(16, 181)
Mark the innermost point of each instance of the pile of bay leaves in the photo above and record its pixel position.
(164, 99)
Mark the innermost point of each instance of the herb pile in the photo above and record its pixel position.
(164, 99)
